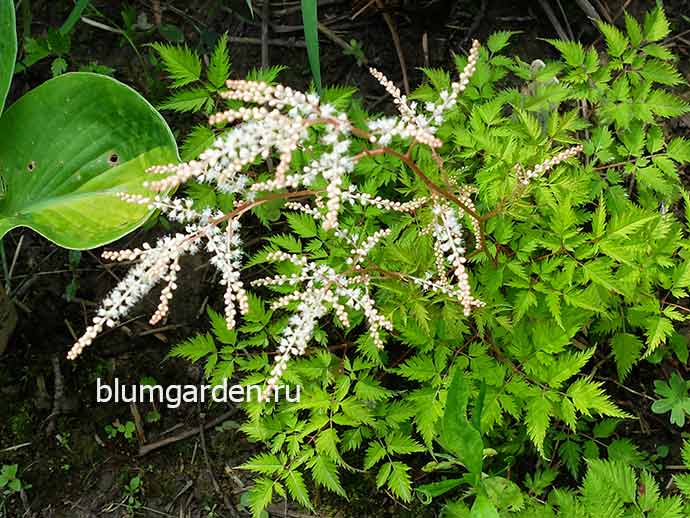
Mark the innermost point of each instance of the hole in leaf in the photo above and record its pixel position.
(113, 158)
(31, 166)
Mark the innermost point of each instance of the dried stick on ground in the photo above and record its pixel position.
(265, 18)
(396, 42)
(58, 395)
(185, 435)
(231, 508)
(553, 19)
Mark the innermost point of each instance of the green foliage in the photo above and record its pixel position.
(194, 93)
(126, 429)
(133, 493)
(57, 43)
(8, 48)
(581, 267)
(60, 179)
(77, 209)
(9, 481)
(458, 435)
(673, 397)
(11, 487)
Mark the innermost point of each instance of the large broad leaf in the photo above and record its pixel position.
(8, 48)
(458, 434)
(67, 147)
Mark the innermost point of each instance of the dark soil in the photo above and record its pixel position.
(74, 469)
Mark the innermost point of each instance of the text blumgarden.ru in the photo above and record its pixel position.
(174, 395)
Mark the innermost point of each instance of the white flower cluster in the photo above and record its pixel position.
(161, 263)
(449, 248)
(420, 126)
(155, 264)
(278, 122)
(352, 196)
(524, 177)
(450, 98)
(323, 289)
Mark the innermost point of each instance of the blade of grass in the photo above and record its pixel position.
(74, 16)
(311, 36)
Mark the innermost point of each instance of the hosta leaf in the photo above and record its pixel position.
(8, 48)
(68, 146)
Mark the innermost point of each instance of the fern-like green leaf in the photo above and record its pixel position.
(261, 495)
(303, 224)
(182, 65)
(297, 488)
(325, 473)
(661, 72)
(588, 397)
(199, 139)
(265, 75)
(656, 26)
(220, 328)
(657, 329)
(219, 65)
(665, 104)
(400, 444)
(616, 42)
(327, 444)
(264, 463)
(192, 100)
(499, 40)
(195, 348)
(375, 452)
(627, 350)
(537, 418)
(572, 51)
(399, 481)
